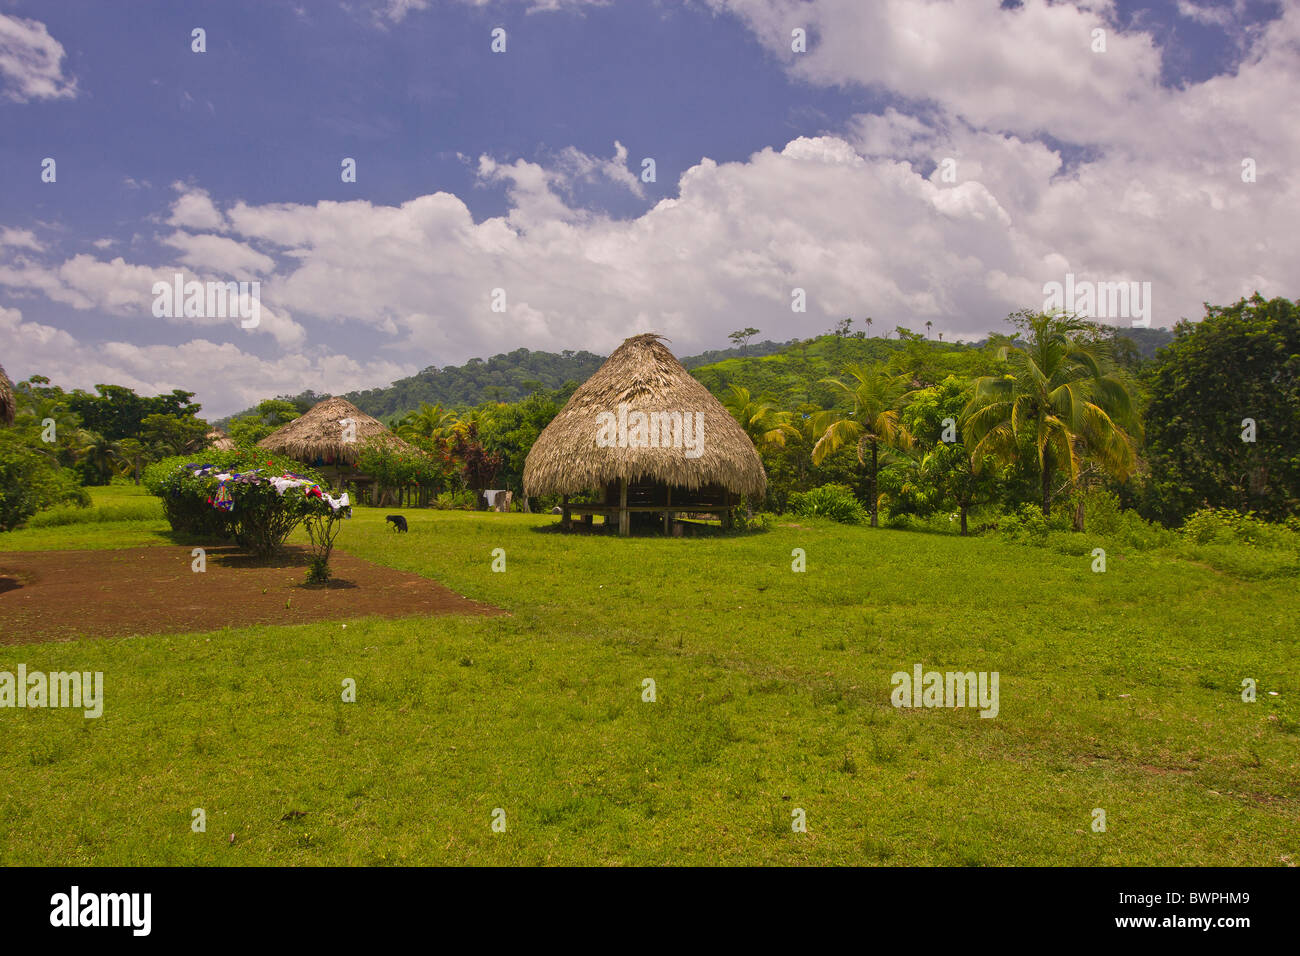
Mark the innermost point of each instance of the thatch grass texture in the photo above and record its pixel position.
(323, 430)
(643, 375)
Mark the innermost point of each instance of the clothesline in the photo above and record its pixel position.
(281, 483)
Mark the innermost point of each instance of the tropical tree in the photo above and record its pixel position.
(511, 432)
(179, 435)
(766, 427)
(466, 426)
(1223, 425)
(429, 422)
(1056, 402)
(741, 337)
(942, 475)
(52, 427)
(872, 424)
(270, 415)
(133, 455)
(98, 456)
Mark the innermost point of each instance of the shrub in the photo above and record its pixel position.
(1226, 526)
(1028, 525)
(30, 481)
(457, 501)
(318, 570)
(257, 515)
(1105, 517)
(322, 528)
(899, 520)
(829, 501)
(188, 513)
(759, 521)
(392, 467)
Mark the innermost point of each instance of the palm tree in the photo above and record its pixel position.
(100, 453)
(928, 323)
(133, 454)
(472, 420)
(36, 411)
(430, 422)
(872, 423)
(765, 426)
(867, 320)
(1057, 396)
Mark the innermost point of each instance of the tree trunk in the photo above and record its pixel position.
(1078, 515)
(875, 466)
(963, 521)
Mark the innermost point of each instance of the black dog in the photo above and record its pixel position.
(399, 521)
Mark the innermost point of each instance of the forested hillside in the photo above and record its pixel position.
(788, 371)
(502, 378)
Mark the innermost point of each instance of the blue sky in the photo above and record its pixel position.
(520, 171)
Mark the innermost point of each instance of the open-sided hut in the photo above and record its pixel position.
(647, 438)
(8, 404)
(330, 437)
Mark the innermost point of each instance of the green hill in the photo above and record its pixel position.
(788, 372)
(507, 377)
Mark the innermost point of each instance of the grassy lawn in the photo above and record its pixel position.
(1119, 691)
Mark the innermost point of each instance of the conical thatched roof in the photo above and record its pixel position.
(319, 434)
(8, 406)
(219, 441)
(643, 375)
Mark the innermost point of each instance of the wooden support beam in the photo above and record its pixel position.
(566, 520)
(624, 519)
(668, 515)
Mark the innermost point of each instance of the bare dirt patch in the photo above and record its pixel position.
(64, 595)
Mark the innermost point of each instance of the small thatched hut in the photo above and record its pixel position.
(648, 438)
(219, 441)
(8, 405)
(332, 433)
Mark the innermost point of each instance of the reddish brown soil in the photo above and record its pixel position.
(63, 595)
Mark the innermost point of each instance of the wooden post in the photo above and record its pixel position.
(668, 515)
(565, 520)
(726, 516)
(624, 522)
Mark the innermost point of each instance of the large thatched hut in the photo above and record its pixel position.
(647, 438)
(8, 405)
(330, 437)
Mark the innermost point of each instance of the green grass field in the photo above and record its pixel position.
(1119, 691)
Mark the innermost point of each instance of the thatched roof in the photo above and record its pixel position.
(8, 406)
(643, 375)
(319, 434)
(219, 441)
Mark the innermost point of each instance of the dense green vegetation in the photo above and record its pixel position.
(502, 378)
(1119, 691)
(1224, 418)
(912, 425)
